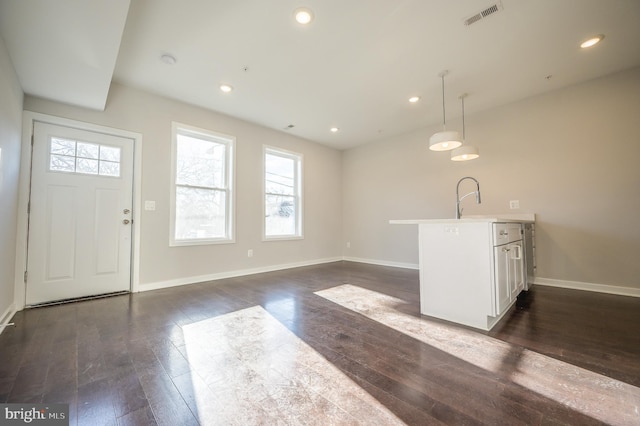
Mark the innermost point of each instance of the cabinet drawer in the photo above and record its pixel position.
(504, 233)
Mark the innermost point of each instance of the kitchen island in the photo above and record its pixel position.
(471, 269)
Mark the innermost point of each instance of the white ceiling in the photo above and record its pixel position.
(353, 67)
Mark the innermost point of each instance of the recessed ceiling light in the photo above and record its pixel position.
(592, 41)
(334, 129)
(414, 99)
(303, 15)
(226, 88)
(168, 59)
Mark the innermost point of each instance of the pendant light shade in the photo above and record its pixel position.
(465, 152)
(446, 139)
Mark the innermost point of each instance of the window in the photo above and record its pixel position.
(87, 158)
(282, 194)
(202, 189)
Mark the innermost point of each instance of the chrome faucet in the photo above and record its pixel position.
(458, 198)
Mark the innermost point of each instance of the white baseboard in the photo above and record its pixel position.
(382, 262)
(231, 274)
(7, 315)
(577, 285)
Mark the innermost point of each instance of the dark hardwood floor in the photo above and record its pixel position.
(339, 343)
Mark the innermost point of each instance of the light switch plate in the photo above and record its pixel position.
(514, 204)
(150, 205)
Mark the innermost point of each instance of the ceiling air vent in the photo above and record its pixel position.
(494, 8)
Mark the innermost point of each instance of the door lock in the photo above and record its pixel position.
(126, 211)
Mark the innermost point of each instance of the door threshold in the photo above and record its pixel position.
(77, 299)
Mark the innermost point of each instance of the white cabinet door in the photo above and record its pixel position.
(502, 281)
(516, 269)
(509, 274)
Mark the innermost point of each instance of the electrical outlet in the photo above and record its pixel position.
(514, 204)
(348, 244)
(250, 253)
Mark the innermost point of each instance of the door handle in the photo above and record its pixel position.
(517, 253)
(126, 211)
(126, 221)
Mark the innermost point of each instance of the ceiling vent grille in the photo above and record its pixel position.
(494, 8)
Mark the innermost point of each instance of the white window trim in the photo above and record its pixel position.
(300, 196)
(230, 141)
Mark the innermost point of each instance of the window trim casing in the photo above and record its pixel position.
(230, 212)
(299, 158)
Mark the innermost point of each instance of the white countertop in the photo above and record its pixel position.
(504, 217)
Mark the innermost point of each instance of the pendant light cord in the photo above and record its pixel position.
(463, 132)
(444, 114)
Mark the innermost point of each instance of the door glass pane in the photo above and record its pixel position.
(200, 213)
(88, 150)
(85, 165)
(110, 153)
(62, 163)
(280, 215)
(109, 168)
(63, 147)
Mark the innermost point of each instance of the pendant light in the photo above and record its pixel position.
(465, 152)
(446, 139)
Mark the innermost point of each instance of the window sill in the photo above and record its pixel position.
(186, 243)
(283, 238)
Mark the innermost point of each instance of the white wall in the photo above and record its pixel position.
(151, 115)
(11, 98)
(570, 156)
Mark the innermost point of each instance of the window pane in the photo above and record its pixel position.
(62, 163)
(200, 162)
(85, 165)
(88, 150)
(82, 157)
(110, 153)
(200, 213)
(63, 147)
(280, 215)
(109, 168)
(279, 175)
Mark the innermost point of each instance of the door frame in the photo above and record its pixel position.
(29, 119)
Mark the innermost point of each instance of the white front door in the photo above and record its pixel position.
(80, 220)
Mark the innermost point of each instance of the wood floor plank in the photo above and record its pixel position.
(166, 402)
(95, 404)
(141, 417)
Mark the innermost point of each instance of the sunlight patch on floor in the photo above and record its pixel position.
(590, 393)
(250, 369)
